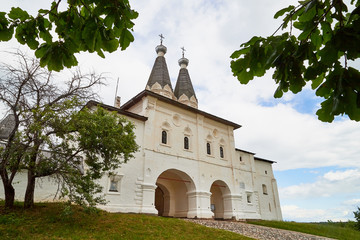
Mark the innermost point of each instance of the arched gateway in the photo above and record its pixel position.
(221, 204)
(172, 194)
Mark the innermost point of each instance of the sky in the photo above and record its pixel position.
(317, 164)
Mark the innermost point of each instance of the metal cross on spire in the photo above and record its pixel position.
(161, 38)
(183, 51)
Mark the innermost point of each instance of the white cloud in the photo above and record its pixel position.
(333, 183)
(296, 213)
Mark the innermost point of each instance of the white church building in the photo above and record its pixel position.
(187, 165)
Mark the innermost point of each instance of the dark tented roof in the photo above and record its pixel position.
(184, 85)
(159, 73)
(7, 125)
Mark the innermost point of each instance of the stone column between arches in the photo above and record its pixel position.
(199, 204)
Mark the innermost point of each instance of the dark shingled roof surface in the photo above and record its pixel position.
(184, 85)
(7, 125)
(159, 73)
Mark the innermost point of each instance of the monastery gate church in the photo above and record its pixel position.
(187, 165)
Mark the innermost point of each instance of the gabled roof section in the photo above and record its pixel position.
(240, 150)
(145, 93)
(264, 160)
(118, 110)
(184, 85)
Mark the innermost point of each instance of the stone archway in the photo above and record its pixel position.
(220, 203)
(171, 194)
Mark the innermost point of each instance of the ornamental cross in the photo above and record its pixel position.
(183, 51)
(161, 38)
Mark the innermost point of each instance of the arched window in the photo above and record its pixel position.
(208, 148)
(164, 137)
(186, 143)
(221, 152)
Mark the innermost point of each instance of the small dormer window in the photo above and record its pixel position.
(186, 143)
(221, 152)
(208, 148)
(164, 137)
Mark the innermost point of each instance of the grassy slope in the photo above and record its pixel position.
(327, 230)
(47, 221)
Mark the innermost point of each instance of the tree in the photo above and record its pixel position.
(85, 25)
(357, 218)
(53, 134)
(319, 52)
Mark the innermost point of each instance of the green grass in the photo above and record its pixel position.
(49, 221)
(342, 230)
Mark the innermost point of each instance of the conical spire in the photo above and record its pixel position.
(159, 80)
(184, 90)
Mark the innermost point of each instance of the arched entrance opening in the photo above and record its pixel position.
(171, 198)
(220, 203)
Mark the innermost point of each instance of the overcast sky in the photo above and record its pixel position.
(318, 164)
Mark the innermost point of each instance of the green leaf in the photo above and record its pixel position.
(329, 54)
(18, 13)
(125, 39)
(238, 53)
(316, 39)
(283, 11)
(317, 81)
(278, 93)
(327, 31)
(6, 34)
(324, 113)
(309, 12)
(111, 45)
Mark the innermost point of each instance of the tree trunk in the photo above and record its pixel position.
(30, 189)
(9, 195)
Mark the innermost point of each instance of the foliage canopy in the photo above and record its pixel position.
(85, 25)
(319, 51)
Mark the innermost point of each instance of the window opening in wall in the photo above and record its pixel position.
(221, 152)
(265, 172)
(113, 185)
(164, 137)
(248, 198)
(240, 159)
(208, 148)
(186, 143)
(264, 189)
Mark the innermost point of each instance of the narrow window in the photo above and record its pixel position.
(186, 143)
(221, 152)
(240, 159)
(248, 198)
(264, 189)
(164, 137)
(208, 148)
